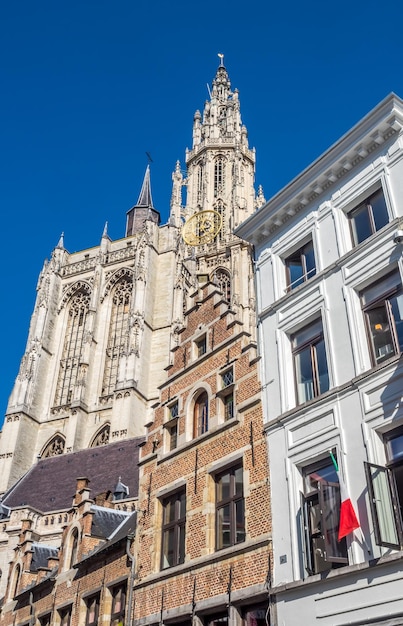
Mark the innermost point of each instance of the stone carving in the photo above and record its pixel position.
(54, 447)
(102, 438)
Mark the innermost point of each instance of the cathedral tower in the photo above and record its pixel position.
(106, 319)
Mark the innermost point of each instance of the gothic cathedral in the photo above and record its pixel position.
(107, 319)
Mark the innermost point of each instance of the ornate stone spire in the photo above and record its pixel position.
(220, 166)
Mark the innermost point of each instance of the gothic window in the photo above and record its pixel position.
(220, 208)
(199, 184)
(222, 278)
(102, 437)
(219, 179)
(72, 348)
(54, 447)
(118, 333)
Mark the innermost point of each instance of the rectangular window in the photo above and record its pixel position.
(228, 402)
(45, 620)
(201, 346)
(171, 427)
(65, 616)
(118, 605)
(256, 616)
(227, 378)
(368, 217)
(230, 508)
(92, 614)
(219, 619)
(382, 304)
(173, 529)
(173, 410)
(320, 507)
(172, 430)
(310, 364)
(300, 266)
(226, 393)
(385, 487)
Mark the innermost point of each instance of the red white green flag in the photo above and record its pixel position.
(348, 518)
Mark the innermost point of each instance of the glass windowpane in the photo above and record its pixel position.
(303, 367)
(383, 504)
(379, 210)
(322, 367)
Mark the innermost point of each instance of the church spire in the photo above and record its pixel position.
(220, 166)
(143, 210)
(145, 198)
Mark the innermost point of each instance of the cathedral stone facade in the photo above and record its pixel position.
(150, 341)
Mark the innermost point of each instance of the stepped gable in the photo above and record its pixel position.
(51, 484)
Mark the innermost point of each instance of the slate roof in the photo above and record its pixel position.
(50, 484)
(105, 521)
(40, 555)
(126, 527)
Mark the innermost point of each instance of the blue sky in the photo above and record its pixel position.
(89, 86)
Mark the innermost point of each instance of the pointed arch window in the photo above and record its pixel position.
(118, 333)
(102, 437)
(219, 176)
(222, 278)
(54, 447)
(200, 415)
(70, 362)
(199, 184)
(220, 208)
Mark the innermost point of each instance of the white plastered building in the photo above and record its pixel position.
(329, 268)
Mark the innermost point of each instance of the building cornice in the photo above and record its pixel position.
(374, 130)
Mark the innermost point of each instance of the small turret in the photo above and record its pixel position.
(143, 210)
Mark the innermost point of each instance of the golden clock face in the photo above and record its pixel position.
(202, 227)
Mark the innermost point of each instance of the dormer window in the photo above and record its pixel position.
(121, 491)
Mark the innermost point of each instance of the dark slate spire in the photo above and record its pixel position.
(143, 210)
(145, 199)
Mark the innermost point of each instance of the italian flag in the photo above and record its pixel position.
(348, 519)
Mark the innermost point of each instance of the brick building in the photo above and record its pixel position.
(204, 519)
(150, 338)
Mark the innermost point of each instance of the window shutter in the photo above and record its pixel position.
(383, 506)
(329, 501)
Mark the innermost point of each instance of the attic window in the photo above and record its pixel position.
(121, 491)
